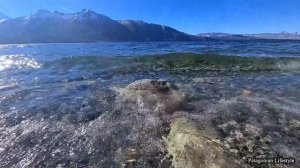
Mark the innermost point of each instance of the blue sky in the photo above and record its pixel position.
(191, 16)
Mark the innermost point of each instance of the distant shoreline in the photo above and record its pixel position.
(208, 39)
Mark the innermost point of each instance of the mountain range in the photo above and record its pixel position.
(44, 26)
(261, 36)
(84, 26)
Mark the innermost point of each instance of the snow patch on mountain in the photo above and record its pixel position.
(84, 14)
(40, 14)
(87, 14)
(2, 20)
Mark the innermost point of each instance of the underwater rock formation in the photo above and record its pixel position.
(145, 108)
(235, 129)
(157, 96)
(192, 147)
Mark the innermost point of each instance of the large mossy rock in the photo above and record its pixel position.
(192, 147)
(154, 96)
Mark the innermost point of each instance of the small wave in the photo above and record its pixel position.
(17, 62)
(290, 66)
(174, 61)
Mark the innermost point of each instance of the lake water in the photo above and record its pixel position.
(59, 103)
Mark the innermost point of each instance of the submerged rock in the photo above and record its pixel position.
(126, 158)
(229, 126)
(153, 86)
(195, 148)
(295, 124)
(208, 80)
(154, 95)
(252, 130)
(144, 110)
(246, 93)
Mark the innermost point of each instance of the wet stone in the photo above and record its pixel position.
(229, 126)
(295, 124)
(246, 93)
(252, 130)
(155, 96)
(191, 147)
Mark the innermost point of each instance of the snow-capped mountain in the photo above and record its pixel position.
(281, 35)
(84, 14)
(44, 26)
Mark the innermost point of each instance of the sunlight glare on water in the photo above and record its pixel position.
(17, 61)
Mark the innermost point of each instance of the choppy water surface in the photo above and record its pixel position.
(59, 103)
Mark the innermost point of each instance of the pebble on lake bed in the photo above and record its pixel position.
(247, 93)
(132, 154)
(252, 130)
